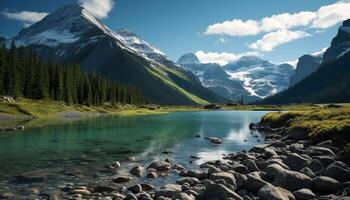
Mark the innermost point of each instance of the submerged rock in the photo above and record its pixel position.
(160, 165)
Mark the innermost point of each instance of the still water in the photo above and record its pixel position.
(85, 147)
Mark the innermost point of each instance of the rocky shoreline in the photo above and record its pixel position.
(286, 167)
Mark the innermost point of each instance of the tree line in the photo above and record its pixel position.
(24, 74)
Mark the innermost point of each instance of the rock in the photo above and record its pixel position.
(250, 164)
(182, 196)
(270, 152)
(219, 191)
(304, 194)
(325, 185)
(296, 162)
(160, 165)
(122, 179)
(165, 193)
(270, 192)
(315, 166)
(278, 144)
(229, 178)
(175, 187)
(29, 191)
(337, 173)
(152, 175)
(292, 180)
(178, 167)
(190, 180)
(215, 140)
(185, 187)
(116, 164)
(240, 168)
(254, 183)
(259, 148)
(307, 171)
(212, 106)
(146, 187)
(240, 179)
(135, 189)
(137, 171)
(322, 150)
(130, 196)
(80, 191)
(273, 170)
(104, 188)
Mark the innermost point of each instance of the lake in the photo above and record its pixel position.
(77, 153)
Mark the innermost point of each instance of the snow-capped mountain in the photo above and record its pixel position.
(250, 77)
(73, 34)
(340, 44)
(307, 64)
(260, 77)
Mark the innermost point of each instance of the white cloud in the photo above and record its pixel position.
(328, 16)
(325, 17)
(222, 58)
(27, 17)
(273, 39)
(235, 27)
(99, 8)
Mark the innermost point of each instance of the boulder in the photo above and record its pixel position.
(251, 165)
(270, 152)
(215, 140)
(270, 192)
(254, 183)
(152, 175)
(190, 180)
(296, 162)
(304, 194)
(135, 188)
(160, 165)
(273, 170)
(229, 178)
(292, 180)
(315, 166)
(137, 171)
(219, 191)
(80, 191)
(182, 196)
(105, 188)
(130, 196)
(307, 171)
(322, 150)
(338, 173)
(237, 167)
(325, 160)
(122, 179)
(325, 185)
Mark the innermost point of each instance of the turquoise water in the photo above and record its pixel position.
(87, 146)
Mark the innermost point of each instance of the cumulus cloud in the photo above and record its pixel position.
(325, 17)
(235, 27)
(99, 8)
(27, 17)
(222, 58)
(273, 39)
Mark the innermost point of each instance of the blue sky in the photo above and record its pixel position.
(218, 31)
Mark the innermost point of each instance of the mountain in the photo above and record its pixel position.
(260, 77)
(213, 77)
(72, 34)
(249, 77)
(340, 44)
(307, 64)
(330, 83)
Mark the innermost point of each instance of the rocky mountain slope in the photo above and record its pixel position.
(307, 64)
(72, 34)
(329, 83)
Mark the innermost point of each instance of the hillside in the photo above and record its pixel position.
(330, 83)
(72, 34)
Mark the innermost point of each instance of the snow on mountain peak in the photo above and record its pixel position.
(188, 59)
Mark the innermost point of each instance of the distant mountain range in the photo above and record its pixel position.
(330, 82)
(72, 34)
(249, 77)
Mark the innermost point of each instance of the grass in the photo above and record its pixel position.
(321, 123)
